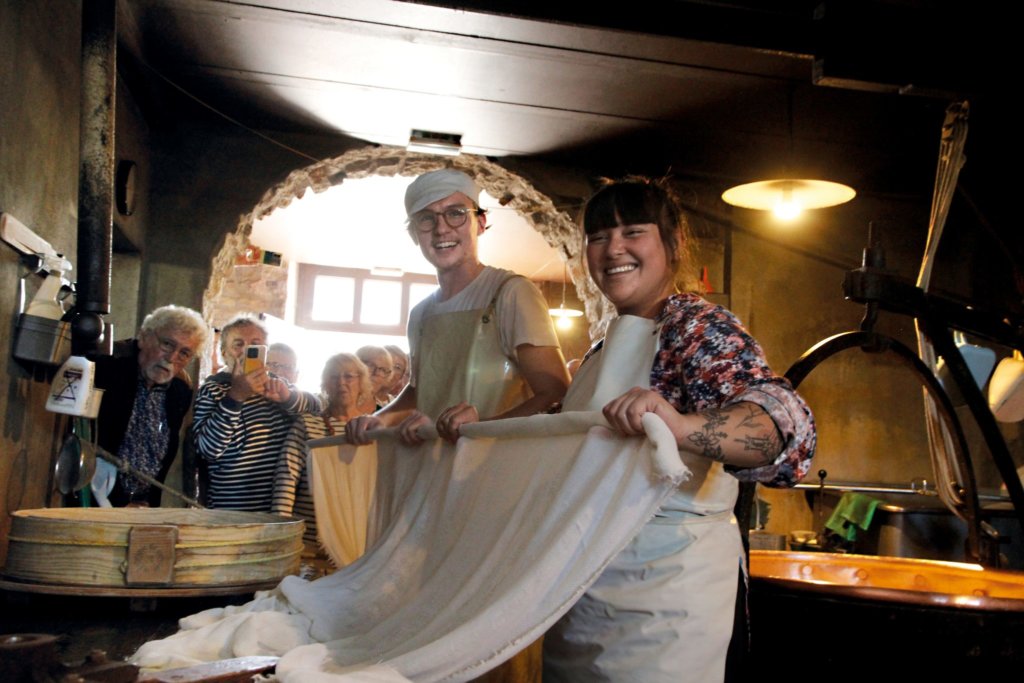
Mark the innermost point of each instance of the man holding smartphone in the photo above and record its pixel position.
(242, 417)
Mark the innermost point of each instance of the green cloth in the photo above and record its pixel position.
(854, 512)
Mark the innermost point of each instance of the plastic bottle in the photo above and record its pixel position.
(72, 387)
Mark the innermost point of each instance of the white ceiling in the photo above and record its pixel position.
(376, 69)
(712, 87)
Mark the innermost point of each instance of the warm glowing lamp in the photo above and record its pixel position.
(563, 316)
(787, 198)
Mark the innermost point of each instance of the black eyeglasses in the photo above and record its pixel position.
(378, 370)
(278, 367)
(454, 216)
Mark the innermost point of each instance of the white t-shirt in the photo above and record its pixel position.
(522, 313)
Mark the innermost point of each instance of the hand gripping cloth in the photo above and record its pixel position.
(471, 551)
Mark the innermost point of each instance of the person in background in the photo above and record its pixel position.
(662, 611)
(378, 361)
(216, 361)
(283, 362)
(241, 420)
(400, 370)
(146, 398)
(345, 383)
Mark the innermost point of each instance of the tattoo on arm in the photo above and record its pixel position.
(750, 420)
(768, 446)
(708, 439)
(766, 440)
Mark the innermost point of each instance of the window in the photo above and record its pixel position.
(354, 300)
(333, 299)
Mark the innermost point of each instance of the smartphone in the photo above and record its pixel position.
(255, 357)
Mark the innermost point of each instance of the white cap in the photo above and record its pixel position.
(436, 185)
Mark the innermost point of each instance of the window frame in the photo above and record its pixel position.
(304, 300)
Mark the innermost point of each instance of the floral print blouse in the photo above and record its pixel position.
(707, 360)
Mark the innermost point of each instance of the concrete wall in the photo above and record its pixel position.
(39, 186)
(868, 408)
(39, 152)
(208, 174)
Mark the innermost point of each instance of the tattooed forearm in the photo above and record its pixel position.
(742, 435)
(709, 439)
(767, 447)
(751, 419)
(765, 441)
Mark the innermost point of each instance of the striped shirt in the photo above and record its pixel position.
(241, 442)
(292, 493)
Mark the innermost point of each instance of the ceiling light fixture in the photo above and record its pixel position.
(563, 316)
(787, 197)
(429, 142)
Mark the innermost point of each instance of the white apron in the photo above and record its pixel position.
(662, 611)
(460, 359)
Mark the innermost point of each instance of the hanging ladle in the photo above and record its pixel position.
(74, 469)
(76, 465)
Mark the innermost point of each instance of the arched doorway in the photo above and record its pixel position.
(512, 191)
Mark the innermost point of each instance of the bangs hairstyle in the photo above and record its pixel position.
(636, 200)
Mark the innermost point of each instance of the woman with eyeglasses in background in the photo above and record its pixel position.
(381, 367)
(401, 373)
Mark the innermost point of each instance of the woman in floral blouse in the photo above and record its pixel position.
(663, 609)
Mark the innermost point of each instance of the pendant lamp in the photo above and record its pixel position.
(563, 316)
(787, 197)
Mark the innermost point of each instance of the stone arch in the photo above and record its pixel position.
(556, 226)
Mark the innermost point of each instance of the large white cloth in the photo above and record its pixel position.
(473, 551)
(342, 483)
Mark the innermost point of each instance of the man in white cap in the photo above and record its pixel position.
(482, 346)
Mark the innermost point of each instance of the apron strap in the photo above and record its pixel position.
(492, 307)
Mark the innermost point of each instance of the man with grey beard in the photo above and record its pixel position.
(146, 397)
